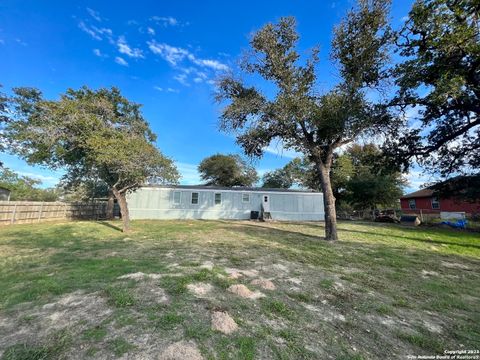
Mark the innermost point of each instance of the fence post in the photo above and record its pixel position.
(40, 213)
(13, 214)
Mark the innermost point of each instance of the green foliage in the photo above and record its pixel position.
(373, 183)
(94, 135)
(120, 296)
(55, 345)
(279, 178)
(360, 177)
(120, 346)
(24, 188)
(438, 78)
(227, 170)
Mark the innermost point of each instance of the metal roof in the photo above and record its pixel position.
(234, 188)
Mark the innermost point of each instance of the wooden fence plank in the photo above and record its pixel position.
(17, 212)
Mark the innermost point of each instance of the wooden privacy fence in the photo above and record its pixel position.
(24, 212)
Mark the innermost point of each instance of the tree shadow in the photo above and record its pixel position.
(107, 224)
(428, 241)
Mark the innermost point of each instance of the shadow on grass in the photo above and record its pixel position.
(107, 224)
(435, 232)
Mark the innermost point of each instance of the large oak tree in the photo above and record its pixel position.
(92, 134)
(438, 81)
(227, 170)
(306, 121)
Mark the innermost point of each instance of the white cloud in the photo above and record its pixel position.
(98, 53)
(21, 42)
(417, 177)
(89, 31)
(169, 53)
(151, 31)
(279, 149)
(121, 61)
(175, 55)
(213, 64)
(165, 20)
(182, 79)
(189, 173)
(94, 14)
(45, 179)
(124, 48)
(169, 89)
(95, 32)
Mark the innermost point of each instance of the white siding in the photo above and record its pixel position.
(158, 203)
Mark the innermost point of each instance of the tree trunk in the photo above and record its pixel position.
(122, 202)
(328, 202)
(110, 206)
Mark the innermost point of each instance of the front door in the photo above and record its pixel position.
(266, 203)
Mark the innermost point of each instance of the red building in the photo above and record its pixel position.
(424, 200)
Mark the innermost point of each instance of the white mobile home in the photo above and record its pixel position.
(207, 202)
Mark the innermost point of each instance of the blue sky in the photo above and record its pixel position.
(164, 55)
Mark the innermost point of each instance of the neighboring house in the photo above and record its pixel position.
(426, 201)
(208, 202)
(4, 194)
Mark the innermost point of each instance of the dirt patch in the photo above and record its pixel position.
(280, 267)
(150, 292)
(140, 276)
(223, 322)
(181, 350)
(244, 292)
(200, 289)
(453, 265)
(237, 273)
(295, 281)
(326, 314)
(426, 273)
(207, 265)
(264, 284)
(75, 311)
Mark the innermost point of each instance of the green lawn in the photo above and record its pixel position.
(381, 292)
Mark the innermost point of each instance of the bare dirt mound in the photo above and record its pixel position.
(264, 284)
(244, 292)
(150, 292)
(200, 289)
(222, 321)
(237, 273)
(140, 276)
(181, 350)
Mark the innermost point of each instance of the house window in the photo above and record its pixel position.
(195, 198)
(218, 198)
(435, 203)
(246, 198)
(411, 204)
(176, 197)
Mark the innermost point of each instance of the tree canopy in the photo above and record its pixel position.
(25, 188)
(360, 177)
(438, 81)
(306, 121)
(227, 170)
(93, 134)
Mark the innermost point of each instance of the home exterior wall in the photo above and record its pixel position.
(158, 203)
(451, 205)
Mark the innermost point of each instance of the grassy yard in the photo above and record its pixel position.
(83, 289)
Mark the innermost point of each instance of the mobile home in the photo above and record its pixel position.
(208, 202)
